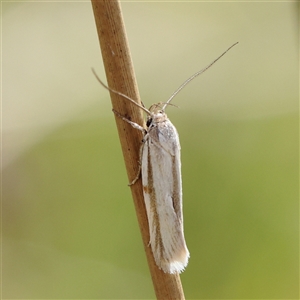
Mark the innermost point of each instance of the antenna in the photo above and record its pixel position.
(195, 75)
(121, 94)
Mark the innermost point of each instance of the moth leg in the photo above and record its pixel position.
(134, 125)
(138, 174)
(136, 177)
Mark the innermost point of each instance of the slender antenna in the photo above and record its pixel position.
(120, 94)
(195, 75)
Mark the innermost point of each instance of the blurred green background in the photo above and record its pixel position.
(69, 228)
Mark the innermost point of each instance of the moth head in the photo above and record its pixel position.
(157, 114)
(156, 108)
(156, 118)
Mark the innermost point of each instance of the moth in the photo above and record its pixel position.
(160, 167)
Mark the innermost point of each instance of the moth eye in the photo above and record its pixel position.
(149, 121)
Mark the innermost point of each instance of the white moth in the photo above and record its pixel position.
(161, 177)
(160, 166)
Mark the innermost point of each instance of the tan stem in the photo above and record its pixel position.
(120, 77)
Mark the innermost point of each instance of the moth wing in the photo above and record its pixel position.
(161, 175)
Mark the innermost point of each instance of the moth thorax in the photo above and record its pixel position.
(159, 117)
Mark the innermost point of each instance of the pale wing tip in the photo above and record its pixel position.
(177, 265)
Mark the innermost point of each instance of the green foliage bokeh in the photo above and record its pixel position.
(69, 228)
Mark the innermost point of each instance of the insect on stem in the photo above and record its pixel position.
(160, 167)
